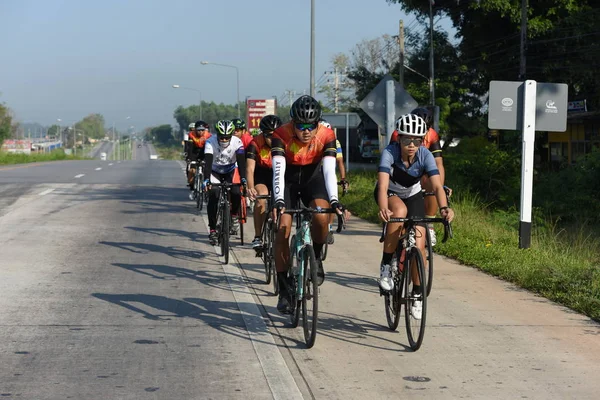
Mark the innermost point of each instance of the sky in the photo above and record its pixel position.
(70, 58)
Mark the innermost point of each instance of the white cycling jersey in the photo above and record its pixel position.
(224, 159)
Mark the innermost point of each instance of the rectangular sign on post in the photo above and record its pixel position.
(256, 109)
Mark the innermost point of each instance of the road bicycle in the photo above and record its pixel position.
(224, 217)
(302, 275)
(265, 252)
(407, 268)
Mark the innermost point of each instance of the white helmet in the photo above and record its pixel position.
(411, 125)
(191, 126)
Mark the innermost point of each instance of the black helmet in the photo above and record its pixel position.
(269, 123)
(424, 113)
(238, 123)
(305, 110)
(201, 125)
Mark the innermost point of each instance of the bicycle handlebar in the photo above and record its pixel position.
(319, 210)
(447, 225)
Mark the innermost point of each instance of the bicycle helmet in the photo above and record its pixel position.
(191, 126)
(201, 125)
(424, 113)
(325, 123)
(411, 125)
(238, 124)
(225, 131)
(269, 123)
(305, 110)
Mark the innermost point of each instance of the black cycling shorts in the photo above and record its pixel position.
(313, 188)
(415, 204)
(263, 176)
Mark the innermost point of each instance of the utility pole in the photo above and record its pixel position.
(312, 48)
(522, 69)
(291, 94)
(336, 91)
(431, 76)
(401, 44)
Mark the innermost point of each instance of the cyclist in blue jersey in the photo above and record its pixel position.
(398, 191)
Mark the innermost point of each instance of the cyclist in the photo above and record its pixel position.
(339, 158)
(398, 191)
(297, 149)
(241, 132)
(197, 143)
(432, 142)
(221, 154)
(260, 172)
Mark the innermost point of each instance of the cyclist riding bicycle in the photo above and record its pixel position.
(432, 142)
(197, 140)
(297, 149)
(259, 170)
(222, 152)
(241, 132)
(398, 192)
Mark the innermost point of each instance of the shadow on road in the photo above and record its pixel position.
(145, 248)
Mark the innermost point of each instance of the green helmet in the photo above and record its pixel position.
(238, 123)
(225, 129)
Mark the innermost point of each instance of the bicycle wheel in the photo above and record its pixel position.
(310, 296)
(415, 327)
(271, 257)
(225, 232)
(324, 251)
(429, 264)
(293, 288)
(266, 238)
(393, 306)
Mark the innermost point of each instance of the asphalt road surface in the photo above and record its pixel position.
(110, 290)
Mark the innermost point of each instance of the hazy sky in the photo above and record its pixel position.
(69, 58)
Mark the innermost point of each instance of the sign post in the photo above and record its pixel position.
(256, 109)
(527, 106)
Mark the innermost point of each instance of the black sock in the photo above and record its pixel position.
(318, 248)
(387, 258)
(281, 280)
(416, 289)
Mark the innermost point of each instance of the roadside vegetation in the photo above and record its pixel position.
(56, 155)
(563, 263)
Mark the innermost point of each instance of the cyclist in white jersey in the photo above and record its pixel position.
(223, 153)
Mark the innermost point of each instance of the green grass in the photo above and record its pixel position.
(561, 265)
(56, 155)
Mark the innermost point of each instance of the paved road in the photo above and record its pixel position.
(108, 289)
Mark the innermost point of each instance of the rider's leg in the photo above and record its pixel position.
(282, 257)
(260, 209)
(213, 204)
(431, 206)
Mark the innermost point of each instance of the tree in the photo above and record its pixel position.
(162, 134)
(92, 126)
(340, 91)
(5, 123)
(562, 41)
(211, 113)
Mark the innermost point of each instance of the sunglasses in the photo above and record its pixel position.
(407, 141)
(302, 127)
(201, 129)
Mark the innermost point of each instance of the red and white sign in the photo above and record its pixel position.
(258, 109)
(17, 146)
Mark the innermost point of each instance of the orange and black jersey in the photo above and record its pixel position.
(431, 142)
(286, 144)
(199, 142)
(259, 151)
(302, 159)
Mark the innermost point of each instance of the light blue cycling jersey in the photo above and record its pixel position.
(406, 182)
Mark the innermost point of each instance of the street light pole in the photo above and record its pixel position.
(237, 77)
(312, 48)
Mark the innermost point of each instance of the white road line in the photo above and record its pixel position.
(45, 192)
(98, 169)
(79, 176)
(280, 379)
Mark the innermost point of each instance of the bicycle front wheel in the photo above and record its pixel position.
(310, 296)
(429, 255)
(225, 232)
(266, 238)
(198, 191)
(392, 300)
(415, 311)
(271, 258)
